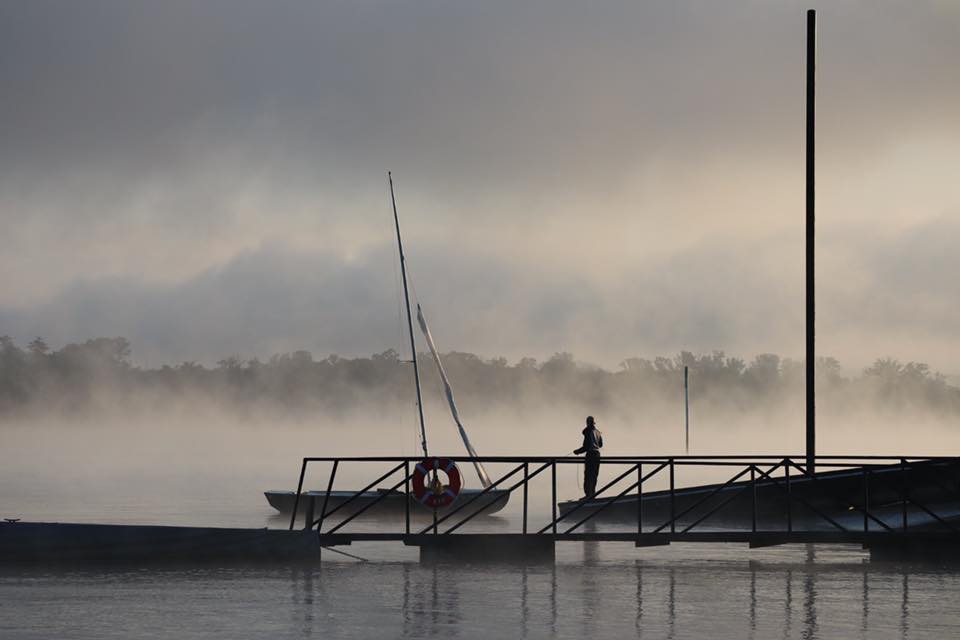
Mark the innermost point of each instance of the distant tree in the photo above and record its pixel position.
(527, 363)
(38, 347)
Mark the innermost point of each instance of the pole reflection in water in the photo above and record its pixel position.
(865, 604)
(672, 604)
(303, 597)
(810, 595)
(524, 611)
(809, 605)
(553, 599)
(406, 600)
(639, 593)
(788, 605)
(430, 599)
(590, 587)
(904, 606)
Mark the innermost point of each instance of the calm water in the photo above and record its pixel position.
(690, 593)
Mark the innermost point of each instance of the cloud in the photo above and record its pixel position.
(279, 298)
(613, 180)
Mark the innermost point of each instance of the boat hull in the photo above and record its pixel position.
(390, 504)
(833, 495)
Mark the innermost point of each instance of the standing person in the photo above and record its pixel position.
(592, 442)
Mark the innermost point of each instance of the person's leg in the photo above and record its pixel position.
(592, 471)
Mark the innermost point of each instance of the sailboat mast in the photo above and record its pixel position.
(406, 298)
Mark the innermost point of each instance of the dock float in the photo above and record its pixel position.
(53, 543)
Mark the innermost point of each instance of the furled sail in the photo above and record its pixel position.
(481, 472)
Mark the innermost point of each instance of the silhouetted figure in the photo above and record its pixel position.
(592, 442)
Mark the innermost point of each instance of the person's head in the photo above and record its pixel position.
(590, 421)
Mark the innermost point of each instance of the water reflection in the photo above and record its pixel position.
(788, 605)
(430, 599)
(809, 606)
(553, 600)
(657, 598)
(810, 596)
(672, 604)
(904, 605)
(865, 604)
(639, 567)
(303, 589)
(524, 594)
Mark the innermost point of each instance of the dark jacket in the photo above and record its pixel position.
(592, 441)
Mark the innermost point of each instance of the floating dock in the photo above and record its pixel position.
(53, 543)
(906, 508)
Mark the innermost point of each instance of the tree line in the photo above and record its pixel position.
(86, 376)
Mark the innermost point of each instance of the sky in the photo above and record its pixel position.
(611, 179)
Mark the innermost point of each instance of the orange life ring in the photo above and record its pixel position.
(427, 487)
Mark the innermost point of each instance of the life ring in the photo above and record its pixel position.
(427, 487)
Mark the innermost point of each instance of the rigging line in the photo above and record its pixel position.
(344, 553)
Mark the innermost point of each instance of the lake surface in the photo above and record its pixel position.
(609, 591)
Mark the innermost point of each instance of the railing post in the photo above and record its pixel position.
(903, 492)
(753, 490)
(673, 505)
(786, 466)
(526, 479)
(406, 494)
(553, 469)
(296, 499)
(866, 498)
(434, 521)
(326, 497)
(639, 498)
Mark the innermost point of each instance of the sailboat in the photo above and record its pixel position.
(492, 501)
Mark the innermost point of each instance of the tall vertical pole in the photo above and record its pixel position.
(406, 297)
(811, 300)
(686, 405)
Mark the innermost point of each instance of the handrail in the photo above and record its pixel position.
(357, 494)
(703, 499)
(483, 508)
(647, 459)
(367, 506)
(752, 485)
(609, 502)
(791, 496)
(586, 499)
(880, 488)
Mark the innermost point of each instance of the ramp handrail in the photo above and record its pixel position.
(891, 495)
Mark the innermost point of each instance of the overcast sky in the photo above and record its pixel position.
(607, 178)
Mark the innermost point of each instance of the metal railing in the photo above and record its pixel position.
(760, 499)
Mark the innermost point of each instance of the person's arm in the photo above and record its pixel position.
(583, 447)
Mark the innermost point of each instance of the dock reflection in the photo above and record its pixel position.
(789, 599)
